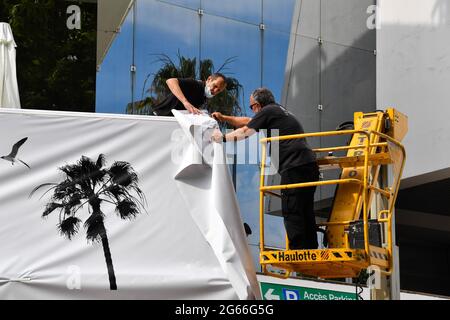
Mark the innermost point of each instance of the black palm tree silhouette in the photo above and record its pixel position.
(90, 183)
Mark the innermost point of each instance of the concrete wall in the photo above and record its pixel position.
(413, 75)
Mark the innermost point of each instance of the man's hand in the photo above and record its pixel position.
(189, 107)
(217, 136)
(218, 116)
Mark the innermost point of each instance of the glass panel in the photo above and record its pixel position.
(164, 34)
(278, 14)
(309, 23)
(291, 70)
(248, 196)
(224, 39)
(245, 11)
(275, 53)
(302, 91)
(191, 4)
(254, 250)
(348, 85)
(238, 43)
(275, 235)
(114, 77)
(345, 22)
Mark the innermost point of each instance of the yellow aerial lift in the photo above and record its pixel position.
(375, 142)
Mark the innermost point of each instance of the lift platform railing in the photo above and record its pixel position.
(397, 156)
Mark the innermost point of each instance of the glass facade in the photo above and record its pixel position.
(114, 79)
(234, 33)
(245, 40)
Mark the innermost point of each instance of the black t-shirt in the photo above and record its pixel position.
(292, 153)
(193, 90)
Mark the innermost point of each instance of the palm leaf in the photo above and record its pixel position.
(206, 69)
(65, 189)
(224, 66)
(123, 174)
(50, 207)
(72, 171)
(74, 199)
(127, 209)
(100, 161)
(116, 191)
(95, 227)
(41, 186)
(69, 227)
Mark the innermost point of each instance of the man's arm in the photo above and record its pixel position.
(174, 87)
(236, 122)
(236, 135)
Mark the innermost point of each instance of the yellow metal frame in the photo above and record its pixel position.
(336, 262)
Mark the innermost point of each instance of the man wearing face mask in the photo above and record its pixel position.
(189, 94)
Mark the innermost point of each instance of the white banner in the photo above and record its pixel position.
(116, 226)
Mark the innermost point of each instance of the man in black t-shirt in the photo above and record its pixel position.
(296, 163)
(189, 94)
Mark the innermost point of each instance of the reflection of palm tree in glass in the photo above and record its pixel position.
(227, 102)
(88, 182)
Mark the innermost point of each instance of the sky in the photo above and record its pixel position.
(226, 29)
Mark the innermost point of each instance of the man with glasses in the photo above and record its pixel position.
(297, 163)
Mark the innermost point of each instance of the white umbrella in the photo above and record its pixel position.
(9, 91)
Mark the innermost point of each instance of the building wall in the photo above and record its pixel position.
(413, 64)
(413, 76)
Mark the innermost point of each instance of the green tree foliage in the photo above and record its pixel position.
(56, 67)
(227, 102)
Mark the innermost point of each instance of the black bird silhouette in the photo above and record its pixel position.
(13, 154)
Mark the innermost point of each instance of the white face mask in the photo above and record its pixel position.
(208, 93)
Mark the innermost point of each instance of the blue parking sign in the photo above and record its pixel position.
(290, 294)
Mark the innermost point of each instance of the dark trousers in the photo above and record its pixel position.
(298, 207)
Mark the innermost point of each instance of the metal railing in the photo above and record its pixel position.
(391, 195)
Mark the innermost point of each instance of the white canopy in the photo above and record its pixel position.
(9, 92)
